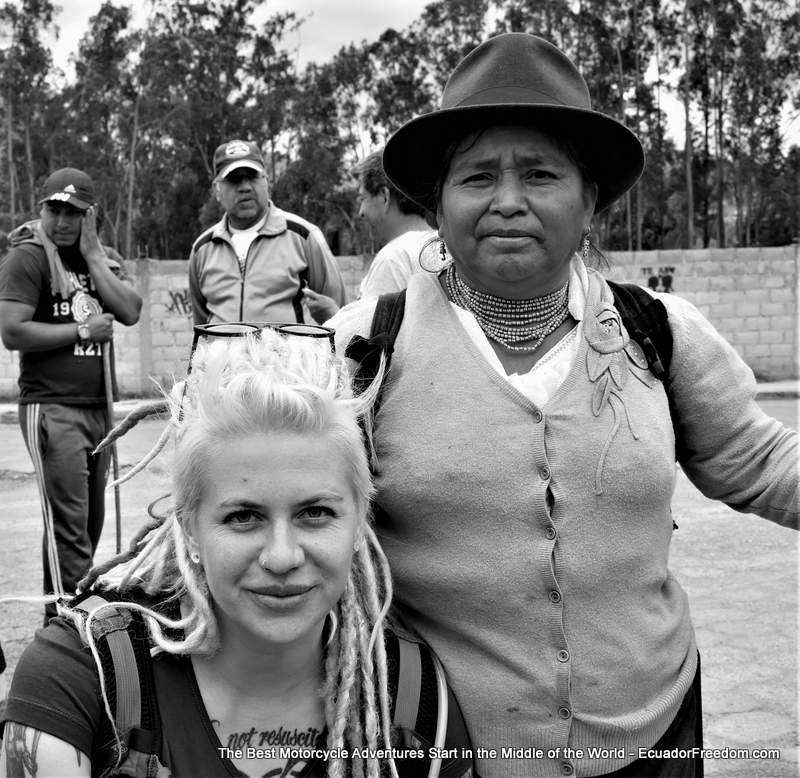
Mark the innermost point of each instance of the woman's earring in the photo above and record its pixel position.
(195, 557)
(333, 626)
(586, 245)
(433, 256)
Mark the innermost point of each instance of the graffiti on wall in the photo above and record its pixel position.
(660, 281)
(180, 304)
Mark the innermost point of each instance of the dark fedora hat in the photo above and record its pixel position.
(514, 78)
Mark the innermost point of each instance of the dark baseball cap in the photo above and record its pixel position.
(235, 154)
(69, 185)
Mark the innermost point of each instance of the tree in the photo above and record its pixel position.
(24, 66)
(272, 82)
(94, 138)
(148, 107)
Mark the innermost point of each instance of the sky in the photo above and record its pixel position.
(330, 24)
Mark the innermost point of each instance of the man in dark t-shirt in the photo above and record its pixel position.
(60, 293)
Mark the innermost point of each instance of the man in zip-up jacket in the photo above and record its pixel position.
(254, 264)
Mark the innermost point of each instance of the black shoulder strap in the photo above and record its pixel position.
(367, 352)
(645, 319)
(121, 638)
(388, 315)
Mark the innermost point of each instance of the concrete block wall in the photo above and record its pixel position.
(750, 295)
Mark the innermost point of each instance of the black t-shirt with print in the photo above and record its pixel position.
(69, 375)
(56, 689)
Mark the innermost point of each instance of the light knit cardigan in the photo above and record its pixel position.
(529, 546)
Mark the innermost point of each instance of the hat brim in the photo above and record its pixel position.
(608, 150)
(66, 197)
(246, 163)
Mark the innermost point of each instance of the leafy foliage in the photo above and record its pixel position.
(147, 107)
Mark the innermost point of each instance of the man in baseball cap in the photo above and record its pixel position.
(255, 262)
(237, 154)
(61, 291)
(69, 185)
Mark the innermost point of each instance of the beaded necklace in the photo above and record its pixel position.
(508, 321)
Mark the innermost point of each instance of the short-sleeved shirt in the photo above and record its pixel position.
(56, 689)
(71, 374)
(395, 263)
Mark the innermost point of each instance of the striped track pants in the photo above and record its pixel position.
(71, 482)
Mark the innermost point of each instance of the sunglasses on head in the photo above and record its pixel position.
(239, 329)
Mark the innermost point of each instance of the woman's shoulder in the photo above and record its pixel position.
(59, 655)
(676, 306)
(691, 330)
(353, 319)
(695, 339)
(59, 639)
(356, 317)
(55, 687)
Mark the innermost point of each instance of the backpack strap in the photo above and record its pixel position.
(409, 684)
(409, 713)
(442, 717)
(120, 637)
(645, 318)
(386, 322)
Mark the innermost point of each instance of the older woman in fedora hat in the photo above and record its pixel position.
(525, 451)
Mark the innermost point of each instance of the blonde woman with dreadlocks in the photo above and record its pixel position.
(261, 597)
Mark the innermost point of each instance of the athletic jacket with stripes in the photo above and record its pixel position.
(287, 254)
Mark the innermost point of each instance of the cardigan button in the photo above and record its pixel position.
(544, 473)
(563, 655)
(564, 713)
(550, 533)
(567, 768)
(555, 596)
(537, 417)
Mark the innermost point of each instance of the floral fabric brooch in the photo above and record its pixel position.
(610, 359)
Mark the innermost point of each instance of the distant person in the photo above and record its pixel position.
(397, 223)
(254, 264)
(398, 226)
(60, 293)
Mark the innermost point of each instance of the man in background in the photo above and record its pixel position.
(255, 262)
(60, 293)
(398, 225)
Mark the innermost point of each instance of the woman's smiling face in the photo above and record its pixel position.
(513, 210)
(275, 529)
